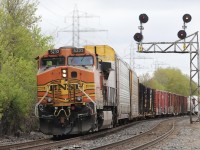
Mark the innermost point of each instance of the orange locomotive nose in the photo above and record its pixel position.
(66, 91)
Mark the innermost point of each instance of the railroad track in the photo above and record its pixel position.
(144, 140)
(49, 143)
(24, 144)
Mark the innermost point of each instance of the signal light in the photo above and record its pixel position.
(143, 18)
(182, 34)
(187, 18)
(138, 37)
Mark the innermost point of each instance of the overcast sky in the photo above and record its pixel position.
(120, 18)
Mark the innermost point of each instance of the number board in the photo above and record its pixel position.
(78, 50)
(54, 51)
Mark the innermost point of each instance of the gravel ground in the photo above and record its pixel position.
(185, 137)
(117, 136)
(6, 140)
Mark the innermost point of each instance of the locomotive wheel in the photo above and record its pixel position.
(57, 137)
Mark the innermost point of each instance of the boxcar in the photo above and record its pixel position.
(160, 100)
(134, 103)
(146, 100)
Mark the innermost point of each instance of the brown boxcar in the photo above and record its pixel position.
(158, 100)
(183, 105)
(176, 104)
(164, 102)
(170, 104)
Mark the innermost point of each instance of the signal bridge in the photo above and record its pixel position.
(185, 44)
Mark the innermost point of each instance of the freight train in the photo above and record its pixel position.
(87, 89)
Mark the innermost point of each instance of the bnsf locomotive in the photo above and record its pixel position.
(91, 88)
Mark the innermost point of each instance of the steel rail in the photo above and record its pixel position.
(155, 141)
(119, 143)
(17, 145)
(49, 144)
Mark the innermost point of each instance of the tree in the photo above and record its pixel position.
(172, 80)
(20, 42)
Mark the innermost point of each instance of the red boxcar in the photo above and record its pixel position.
(170, 104)
(164, 103)
(183, 105)
(161, 102)
(176, 104)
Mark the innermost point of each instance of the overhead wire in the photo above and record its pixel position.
(49, 10)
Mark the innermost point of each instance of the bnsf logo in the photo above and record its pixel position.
(65, 86)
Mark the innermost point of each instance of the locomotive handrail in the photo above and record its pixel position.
(88, 98)
(38, 103)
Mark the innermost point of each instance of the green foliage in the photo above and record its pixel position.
(20, 42)
(172, 80)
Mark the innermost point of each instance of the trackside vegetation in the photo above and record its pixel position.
(20, 42)
(169, 79)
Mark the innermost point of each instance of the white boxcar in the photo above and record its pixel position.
(123, 89)
(118, 84)
(134, 95)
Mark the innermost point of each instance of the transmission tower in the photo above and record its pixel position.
(76, 27)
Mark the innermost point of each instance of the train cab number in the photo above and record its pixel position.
(78, 50)
(54, 52)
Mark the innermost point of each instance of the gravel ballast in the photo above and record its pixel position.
(185, 137)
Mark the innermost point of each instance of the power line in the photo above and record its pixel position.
(50, 10)
(132, 58)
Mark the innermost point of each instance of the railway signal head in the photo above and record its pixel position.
(182, 34)
(138, 37)
(143, 18)
(187, 18)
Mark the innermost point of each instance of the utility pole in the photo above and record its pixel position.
(76, 27)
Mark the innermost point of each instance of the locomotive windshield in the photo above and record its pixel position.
(53, 61)
(80, 60)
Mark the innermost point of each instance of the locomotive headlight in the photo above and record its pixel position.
(64, 75)
(49, 99)
(78, 98)
(64, 71)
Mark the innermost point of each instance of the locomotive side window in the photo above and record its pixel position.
(53, 61)
(80, 60)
